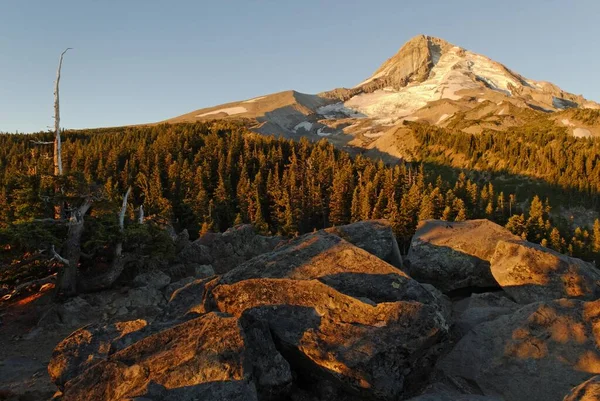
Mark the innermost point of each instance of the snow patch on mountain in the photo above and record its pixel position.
(229, 111)
(567, 122)
(581, 133)
(254, 99)
(442, 118)
(304, 125)
(321, 132)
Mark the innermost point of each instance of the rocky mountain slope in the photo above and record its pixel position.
(331, 315)
(429, 81)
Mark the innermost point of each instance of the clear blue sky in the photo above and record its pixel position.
(137, 61)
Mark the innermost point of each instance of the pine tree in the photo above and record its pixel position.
(460, 210)
(427, 210)
(516, 224)
(555, 240)
(596, 236)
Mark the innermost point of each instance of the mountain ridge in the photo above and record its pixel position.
(428, 80)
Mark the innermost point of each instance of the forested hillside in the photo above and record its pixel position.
(210, 176)
(567, 168)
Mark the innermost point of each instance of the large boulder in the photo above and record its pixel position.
(480, 308)
(153, 278)
(537, 353)
(196, 253)
(335, 262)
(236, 245)
(86, 347)
(204, 357)
(316, 313)
(376, 351)
(531, 273)
(587, 391)
(455, 255)
(374, 236)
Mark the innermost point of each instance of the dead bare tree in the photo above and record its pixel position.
(69, 281)
(58, 168)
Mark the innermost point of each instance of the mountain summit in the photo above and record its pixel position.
(428, 69)
(429, 81)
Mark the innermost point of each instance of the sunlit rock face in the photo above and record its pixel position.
(373, 350)
(586, 391)
(89, 346)
(455, 255)
(206, 356)
(530, 273)
(317, 312)
(537, 353)
(374, 236)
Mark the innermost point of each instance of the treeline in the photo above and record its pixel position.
(210, 176)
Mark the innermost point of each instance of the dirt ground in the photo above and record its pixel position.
(26, 348)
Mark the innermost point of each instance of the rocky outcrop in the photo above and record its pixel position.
(153, 278)
(480, 308)
(203, 357)
(537, 353)
(236, 245)
(531, 273)
(412, 63)
(586, 391)
(376, 351)
(87, 347)
(315, 310)
(455, 255)
(335, 262)
(374, 236)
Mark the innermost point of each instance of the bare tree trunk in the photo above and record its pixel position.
(58, 168)
(107, 279)
(66, 283)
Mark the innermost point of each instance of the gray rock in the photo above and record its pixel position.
(195, 252)
(374, 236)
(188, 299)
(171, 288)
(454, 397)
(204, 271)
(455, 255)
(236, 245)
(442, 300)
(153, 278)
(74, 311)
(453, 390)
(480, 308)
(145, 296)
(531, 273)
(122, 311)
(537, 353)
